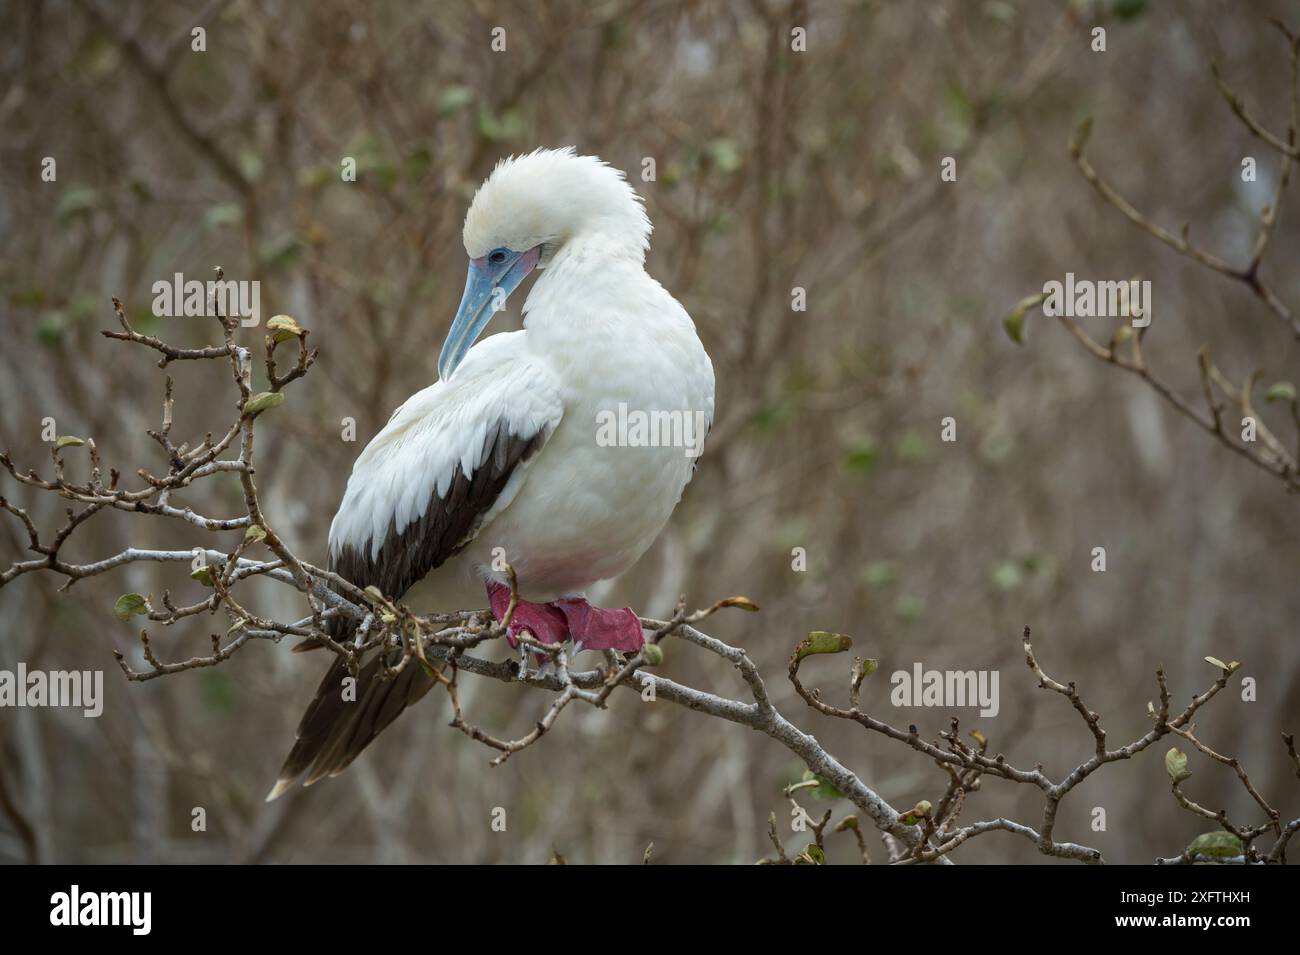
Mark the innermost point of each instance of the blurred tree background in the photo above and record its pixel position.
(775, 169)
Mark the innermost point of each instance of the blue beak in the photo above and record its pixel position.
(487, 286)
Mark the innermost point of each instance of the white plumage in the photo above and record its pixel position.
(598, 331)
(500, 461)
(413, 459)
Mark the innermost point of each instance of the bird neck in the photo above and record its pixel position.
(590, 300)
(589, 279)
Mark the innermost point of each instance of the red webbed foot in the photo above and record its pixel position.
(591, 628)
(546, 623)
(594, 628)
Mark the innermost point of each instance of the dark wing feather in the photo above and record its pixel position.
(334, 731)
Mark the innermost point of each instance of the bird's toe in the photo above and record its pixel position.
(598, 629)
(544, 621)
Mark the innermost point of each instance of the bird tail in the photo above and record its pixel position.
(343, 718)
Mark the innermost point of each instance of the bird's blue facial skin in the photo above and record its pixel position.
(489, 282)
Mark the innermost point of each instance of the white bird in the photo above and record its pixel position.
(509, 457)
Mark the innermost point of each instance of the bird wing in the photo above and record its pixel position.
(450, 458)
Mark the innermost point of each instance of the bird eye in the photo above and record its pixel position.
(497, 256)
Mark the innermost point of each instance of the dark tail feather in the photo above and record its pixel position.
(334, 730)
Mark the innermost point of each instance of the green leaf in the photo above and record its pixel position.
(263, 401)
(74, 201)
(453, 99)
(879, 572)
(820, 641)
(1008, 575)
(997, 10)
(916, 814)
(314, 177)
(1219, 844)
(1128, 9)
(861, 456)
(814, 855)
(773, 415)
(50, 329)
(217, 690)
(255, 533)
(823, 790)
(283, 328)
(83, 308)
(1229, 667)
(280, 252)
(418, 162)
(250, 164)
(1176, 765)
(1280, 391)
(509, 125)
(203, 575)
(911, 447)
(67, 441)
(28, 298)
(1015, 322)
(226, 214)
(909, 607)
(129, 605)
(724, 155)
(653, 653)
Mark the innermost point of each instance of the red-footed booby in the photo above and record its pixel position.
(521, 451)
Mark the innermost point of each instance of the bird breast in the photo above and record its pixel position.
(637, 389)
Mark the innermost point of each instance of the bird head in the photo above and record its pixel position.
(526, 212)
